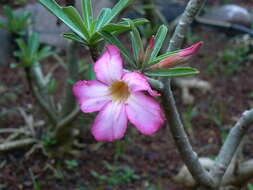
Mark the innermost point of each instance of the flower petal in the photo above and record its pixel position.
(91, 95)
(144, 112)
(111, 122)
(138, 82)
(108, 68)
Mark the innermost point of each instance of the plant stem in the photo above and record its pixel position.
(189, 157)
(230, 146)
(39, 90)
(177, 129)
(69, 103)
(94, 52)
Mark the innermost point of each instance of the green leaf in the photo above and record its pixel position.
(161, 57)
(75, 17)
(22, 46)
(33, 43)
(137, 44)
(159, 39)
(134, 46)
(136, 22)
(44, 52)
(102, 17)
(113, 40)
(115, 29)
(111, 27)
(87, 13)
(74, 37)
(173, 72)
(117, 9)
(73, 23)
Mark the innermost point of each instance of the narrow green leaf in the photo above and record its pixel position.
(136, 22)
(74, 37)
(115, 27)
(134, 46)
(159, 39)
(22, 46)
(52, 6)
(75, 17)
(87, 13)
(117, 9)
(102, 17)
(44, 52)
(137, 44)
(33, 43)
(113, 40)
(173, 72)
(163, 56)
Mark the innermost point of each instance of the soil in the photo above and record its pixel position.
(155, 158)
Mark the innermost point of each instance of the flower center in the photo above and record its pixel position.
(119, 91)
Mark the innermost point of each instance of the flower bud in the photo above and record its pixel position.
(179, 58)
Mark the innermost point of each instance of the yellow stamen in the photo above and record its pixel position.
(119, 91)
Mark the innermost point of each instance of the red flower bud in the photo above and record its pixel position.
(178, 58)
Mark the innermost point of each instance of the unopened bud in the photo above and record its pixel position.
(179, 58)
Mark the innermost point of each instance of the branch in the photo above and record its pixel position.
(69, 102)
(230, 146)
(189, 157)
(245, 171)
(16, 144)
(186, 19)
(68, 119)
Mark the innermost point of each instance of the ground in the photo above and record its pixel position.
(140, 162)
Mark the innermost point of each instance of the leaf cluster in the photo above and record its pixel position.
(31, 52)
(85, 28)
(16, 22)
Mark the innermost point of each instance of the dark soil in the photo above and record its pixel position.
(153, 158)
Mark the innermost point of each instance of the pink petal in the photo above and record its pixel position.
(138, 82)
(144, 112)
(91, 95)
(111, 122)
(108, 68)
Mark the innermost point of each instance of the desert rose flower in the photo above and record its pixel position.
(119, 97)
(181, 57)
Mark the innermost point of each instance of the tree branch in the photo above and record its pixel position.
(16, 144)
(186, 19)
(189, 157)
(230, 146)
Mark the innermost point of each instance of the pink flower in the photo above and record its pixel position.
(181, 57)
(118, 97)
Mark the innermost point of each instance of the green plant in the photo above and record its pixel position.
(17, 22)
(86, 29)
(71, 164)
(48, 141)
(250, 186)
(117, 175)
(31, 52)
